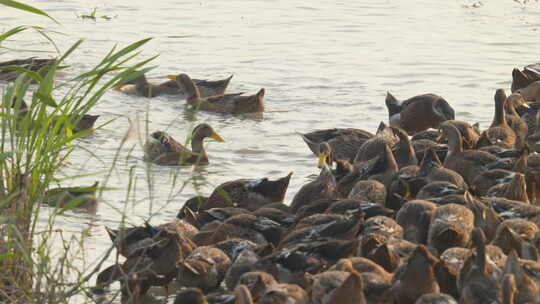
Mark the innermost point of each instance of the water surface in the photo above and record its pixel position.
(323, 64)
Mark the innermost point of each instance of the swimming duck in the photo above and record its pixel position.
(228, 103)
(450, 226)
(80, 197)
(531, 92)
(515, 189)
(259, 230)
(499, 133)
(285, 293)
(526, 282)
(343, 143)
(250, 194)
(438, 189)
(154, 266)
(487, 179)
(374, 146)
(513, 119)
(523, 78)
(469, 133)
(257, 282)
(418, 113)
(415, 217)
(508, 288)
(404, 153)
(31, 64)
(242, 295)
(418, 278)
(142, 87)
(204, 268)
(511, 233)
(134, 240)
(160, 148)
(468, 163)
(190, 296)
(369, 190)
(478, 286)
(432, 170)
(324, 187)
(439, 298)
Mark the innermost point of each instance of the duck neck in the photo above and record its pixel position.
(192, 92)
(500, 116)
(455, 143)
(197, 146)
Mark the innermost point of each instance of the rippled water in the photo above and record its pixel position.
(323, 63)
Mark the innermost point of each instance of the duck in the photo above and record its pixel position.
(249, 194)
(324, 187)
(468, 163)
(134, 240)
(478, 286)
(161, 149)
(418, 113)
(515, 189)
(531, 92)
(374, 146)
(417, 279)
(343, 143)
(526, 288)
(404, 153)
(512, 232)
(351, 291)
(489, 178)
(204, 268)
(432, 170)
(369, 190)
(190, 296)
(32, 64)
(415, 217)
(499, 133)
(343, 167)
(257, 282)
(469, 133)
(259, 230)
(285, 293)
(513, 119)
(508, 288)
(439, 298)
(227, 103)
(140, 86)
(523, 78)
(80, 197)
(153, 266)
(450, 226)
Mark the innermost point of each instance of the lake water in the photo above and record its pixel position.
(323, 64)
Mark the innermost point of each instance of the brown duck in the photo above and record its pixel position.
(468, 163)
(499, 133)
(160, 148)
(344, 143)
(228, 103)
(248, 193)
(418, 113)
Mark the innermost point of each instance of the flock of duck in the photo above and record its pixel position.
(429, 209)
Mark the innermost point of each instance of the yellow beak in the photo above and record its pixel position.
(440, 138)
(526, 105)
(172, 77)
(118, 87)
(216, 137)
(322, 159)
